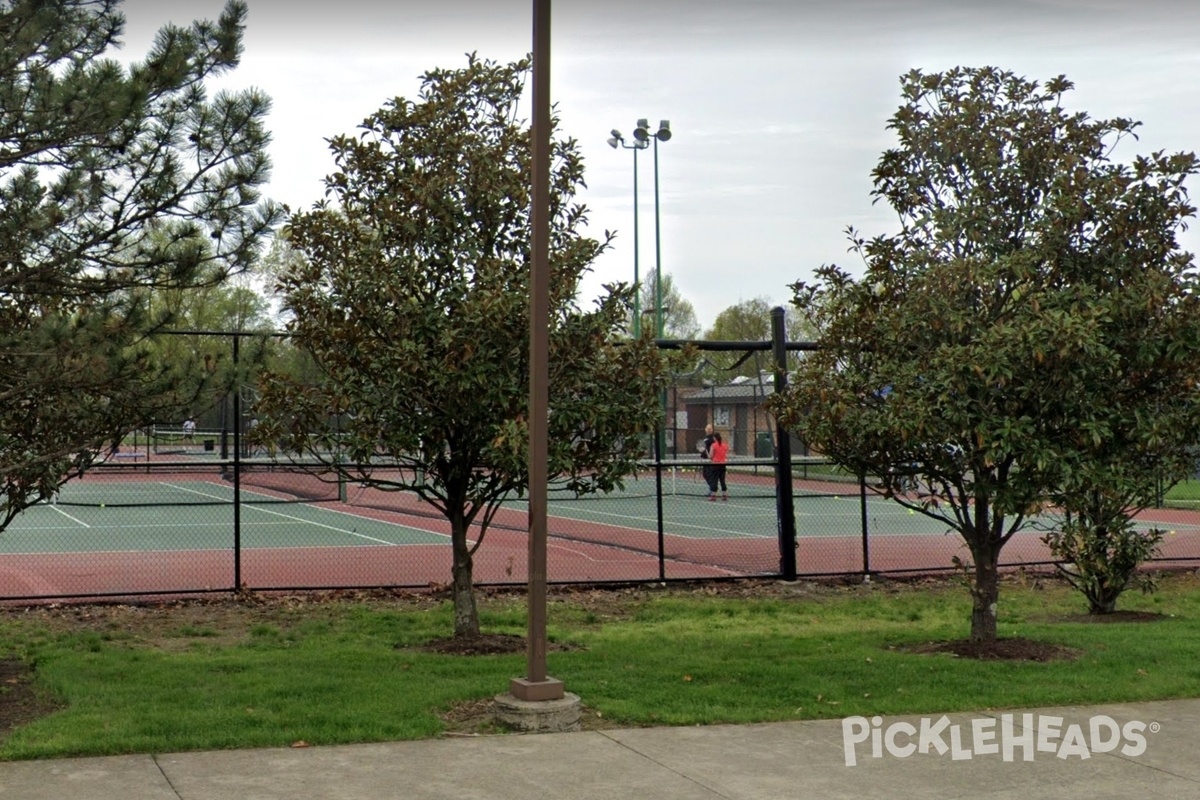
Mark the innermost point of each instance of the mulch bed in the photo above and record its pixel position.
(1015, 649)
(486, 644)
(1117, 616)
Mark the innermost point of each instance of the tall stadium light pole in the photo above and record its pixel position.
(618, 141)
(642, 134)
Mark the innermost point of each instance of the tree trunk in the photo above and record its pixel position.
(985, 588)
(466, 615)
(1102, 602)
(985, 595)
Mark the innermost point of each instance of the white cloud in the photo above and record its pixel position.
(778, 107)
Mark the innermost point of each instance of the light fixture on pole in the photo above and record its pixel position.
(643, 135)
(618, 141)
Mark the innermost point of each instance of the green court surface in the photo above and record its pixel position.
(751, 513)
(821, 508)
(197, 514)
(181, 513)
(66, 527)
(754, 516)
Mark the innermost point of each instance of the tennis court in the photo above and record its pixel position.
(153, 528)
(61, 528)
(133, 533)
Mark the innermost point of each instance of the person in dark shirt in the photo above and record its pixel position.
(718, 454)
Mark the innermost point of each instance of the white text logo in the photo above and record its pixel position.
(1007, 737)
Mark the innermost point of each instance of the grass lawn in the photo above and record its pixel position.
(275, 671)
(1185, 494)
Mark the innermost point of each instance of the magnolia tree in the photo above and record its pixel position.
(1030, 337)
(409, 288)
(117, 183)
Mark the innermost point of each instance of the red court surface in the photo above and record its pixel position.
(618, 543)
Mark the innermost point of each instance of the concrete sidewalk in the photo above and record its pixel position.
(744, 762)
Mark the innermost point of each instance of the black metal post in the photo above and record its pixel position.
(662, 539)
(237, 470)
(224, 420)
(866, 542)
(784, 505)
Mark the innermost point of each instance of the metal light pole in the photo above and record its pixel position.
(618, 141)
(537, 685)
(642, 134)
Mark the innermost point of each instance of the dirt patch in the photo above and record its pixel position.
(20, 702)
(486, 644)
(1117, 616)
(219, 621)
(1015, 649)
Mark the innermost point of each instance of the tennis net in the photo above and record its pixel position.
(173, 483)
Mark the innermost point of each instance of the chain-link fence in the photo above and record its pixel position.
(192, 506)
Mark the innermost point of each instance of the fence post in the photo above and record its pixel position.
(658, 493)
(224, 422)
(237, 469)
(785, 511)
(866, 541)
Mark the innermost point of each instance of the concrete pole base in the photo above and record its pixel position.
(539, 716)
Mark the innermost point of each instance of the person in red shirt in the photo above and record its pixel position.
(718, 453)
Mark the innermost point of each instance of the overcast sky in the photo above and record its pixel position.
(778, 108)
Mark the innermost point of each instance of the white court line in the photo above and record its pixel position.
(160, 525)
(639, 559)
(223, 550)
(339, 511)
(654, 520)
(323, 525)
(384, 521)
(68, 516)
(726, 505)
(287, 516)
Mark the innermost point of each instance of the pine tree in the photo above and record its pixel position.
(116, 182)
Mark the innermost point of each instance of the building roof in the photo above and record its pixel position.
(741, 389)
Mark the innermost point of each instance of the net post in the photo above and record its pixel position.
(338, 460)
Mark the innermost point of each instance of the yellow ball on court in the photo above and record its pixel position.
(102, 505)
